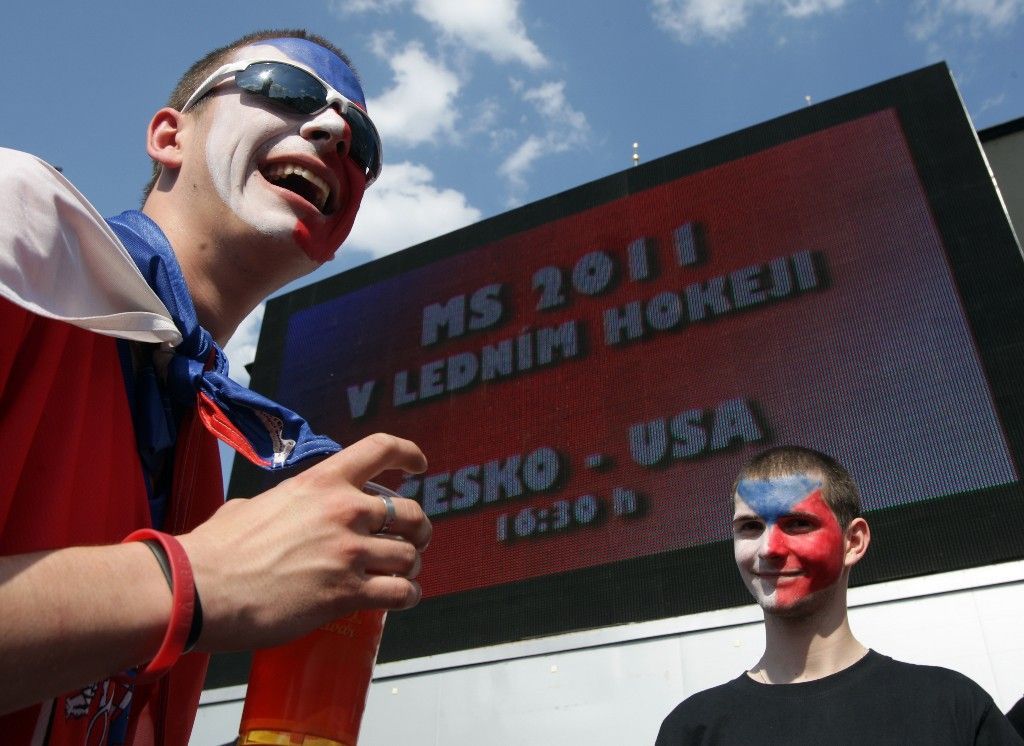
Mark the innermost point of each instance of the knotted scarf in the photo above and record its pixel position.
(268, 434)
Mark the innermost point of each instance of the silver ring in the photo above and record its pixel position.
(389, 515)
(389, 505)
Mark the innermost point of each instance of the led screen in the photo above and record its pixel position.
(587, 374)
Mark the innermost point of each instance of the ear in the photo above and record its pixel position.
(163, 138)
(856, 538)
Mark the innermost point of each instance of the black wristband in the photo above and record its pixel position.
(196, 628)
(197, 623)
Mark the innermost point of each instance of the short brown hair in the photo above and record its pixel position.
(203, 68)
(840, 493)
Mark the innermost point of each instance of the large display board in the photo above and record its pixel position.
(587, 374)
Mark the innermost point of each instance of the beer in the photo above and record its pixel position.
(312, 691)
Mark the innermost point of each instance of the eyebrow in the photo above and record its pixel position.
(747, 517)
(801, 514)
(756, 517)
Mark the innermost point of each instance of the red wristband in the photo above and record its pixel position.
(182, 610)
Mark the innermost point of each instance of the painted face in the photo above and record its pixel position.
(788, 543)
(281, 172)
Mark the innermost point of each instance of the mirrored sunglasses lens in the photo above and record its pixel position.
(364, 149)
(285, 85)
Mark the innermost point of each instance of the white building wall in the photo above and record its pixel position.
(613, 686)
(1005, 155)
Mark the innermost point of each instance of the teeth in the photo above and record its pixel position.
(279, 171)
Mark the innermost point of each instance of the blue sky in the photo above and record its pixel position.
(484, 105)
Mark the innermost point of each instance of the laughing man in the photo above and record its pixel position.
(113, 385)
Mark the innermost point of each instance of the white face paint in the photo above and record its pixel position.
(247, 137)
(231, 144)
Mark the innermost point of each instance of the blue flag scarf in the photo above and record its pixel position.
(268, 434)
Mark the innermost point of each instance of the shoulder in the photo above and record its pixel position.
(945, 703)
(18, 169)
(940, 689)
(716, 696)
(1016, 716)
(925, 675)
(700, 711)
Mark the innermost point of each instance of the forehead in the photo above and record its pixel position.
(774, 497)
(323, 62)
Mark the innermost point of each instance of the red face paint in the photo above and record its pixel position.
(320, 237)
(302, 238)
(788, 543)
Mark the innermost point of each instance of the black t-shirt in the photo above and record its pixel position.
(875, 701)
(1016, 716)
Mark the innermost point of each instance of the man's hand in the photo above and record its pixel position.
(273, 567)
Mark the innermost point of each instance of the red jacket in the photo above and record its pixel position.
(71, 475)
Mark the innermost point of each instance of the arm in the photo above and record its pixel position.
(268, 569)
(64, 624)
(995, 729)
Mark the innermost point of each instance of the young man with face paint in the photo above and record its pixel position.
(797, 534)
(113, 385)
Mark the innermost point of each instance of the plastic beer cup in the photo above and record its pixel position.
(312, 691)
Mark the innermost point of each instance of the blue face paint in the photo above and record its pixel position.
(775, 497)
(324, 63)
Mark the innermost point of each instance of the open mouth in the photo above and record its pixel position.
(302, 182)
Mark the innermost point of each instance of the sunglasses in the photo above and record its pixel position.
(301, 91)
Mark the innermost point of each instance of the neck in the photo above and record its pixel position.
(808, 647)
(222, 298)
(224, 287)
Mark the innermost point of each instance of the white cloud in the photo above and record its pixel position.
(804, 8)
(424, 104)
(992, 102)
(957, 17)
(420, 106)
(492, 27)
(516, 165)
(688, 20)
(404, 208)
(551, 103)
(993, 13)
(562, 128)
(241, 348)
(485, 117)
(348, 7)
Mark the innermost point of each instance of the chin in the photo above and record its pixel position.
(799, 608)
(793, 610)
(279, 229)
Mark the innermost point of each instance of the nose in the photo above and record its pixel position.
(773, 542)
(328, 130)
